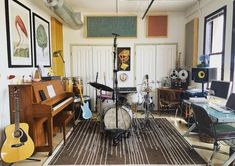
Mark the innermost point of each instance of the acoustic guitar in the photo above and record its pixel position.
(18, 144)
(86, 112)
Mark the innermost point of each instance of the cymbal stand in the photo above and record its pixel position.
(148, 105)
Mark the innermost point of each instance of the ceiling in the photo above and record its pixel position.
(124, 6)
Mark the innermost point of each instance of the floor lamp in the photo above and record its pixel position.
(58, 53)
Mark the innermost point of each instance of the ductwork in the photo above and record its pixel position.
(71, 18)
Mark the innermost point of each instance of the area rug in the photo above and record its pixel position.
(158, 142)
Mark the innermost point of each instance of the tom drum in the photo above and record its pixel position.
(124, 118)
(134, 98)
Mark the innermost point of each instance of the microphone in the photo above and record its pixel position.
(115, 34)
(147, 76)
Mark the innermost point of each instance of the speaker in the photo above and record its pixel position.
(204, 74)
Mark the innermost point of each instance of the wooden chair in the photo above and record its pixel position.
(63, 119)
(168, 101)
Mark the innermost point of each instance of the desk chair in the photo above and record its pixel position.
(169, 102)
(217, 131)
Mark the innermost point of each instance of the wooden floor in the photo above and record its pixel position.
(177, 122)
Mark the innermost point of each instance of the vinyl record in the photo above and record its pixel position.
(183, 74)
(174, 74)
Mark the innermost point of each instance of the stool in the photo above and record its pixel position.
(63, 119)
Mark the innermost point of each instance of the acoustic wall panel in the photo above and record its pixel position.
(104, 26)
(191, 43)
(157, 26)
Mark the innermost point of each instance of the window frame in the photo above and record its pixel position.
(212, 15)
(232, 68)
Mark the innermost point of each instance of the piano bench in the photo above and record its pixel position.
(63, 119)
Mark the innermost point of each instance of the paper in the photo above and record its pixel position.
(51, 91)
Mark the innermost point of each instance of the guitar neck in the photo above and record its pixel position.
(81, 95)
(17, 110)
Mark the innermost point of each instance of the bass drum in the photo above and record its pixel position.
(134, 98)
(124, 118)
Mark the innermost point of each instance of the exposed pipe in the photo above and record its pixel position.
(147, 9)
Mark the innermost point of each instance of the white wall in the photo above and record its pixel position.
(5, 71)
(207, 7)
(176, 34)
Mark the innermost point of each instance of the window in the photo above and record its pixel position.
(214, 40)
(232, 73)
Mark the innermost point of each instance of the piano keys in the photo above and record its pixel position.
(38, 112)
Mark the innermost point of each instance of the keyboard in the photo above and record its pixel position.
(127, 90)
(219, 108)
(198, 99)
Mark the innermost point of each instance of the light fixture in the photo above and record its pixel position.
(58, 53)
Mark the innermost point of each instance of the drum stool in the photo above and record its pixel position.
(63, 119)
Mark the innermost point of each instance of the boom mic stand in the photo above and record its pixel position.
(115, 80)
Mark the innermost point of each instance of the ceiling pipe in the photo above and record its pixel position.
(147, 9)
(69, 17)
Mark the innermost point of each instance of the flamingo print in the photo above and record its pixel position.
(20, 24)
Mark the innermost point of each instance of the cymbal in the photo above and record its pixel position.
(147, 90)
(101, 86)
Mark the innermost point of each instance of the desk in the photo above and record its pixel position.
(217, 117)
(160, 91)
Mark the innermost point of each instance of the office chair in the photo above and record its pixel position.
(169, 102)
(217, 131)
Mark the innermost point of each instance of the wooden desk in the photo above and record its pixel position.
(161, 91)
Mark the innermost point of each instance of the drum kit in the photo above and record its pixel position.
(116, 118)
(107, 110)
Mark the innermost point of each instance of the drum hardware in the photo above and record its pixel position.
(148, 104)
(96, 103)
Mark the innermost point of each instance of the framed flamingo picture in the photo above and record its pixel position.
(19, 39)
(41, 30)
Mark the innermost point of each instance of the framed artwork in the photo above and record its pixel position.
(124, 58)
(157, 26)
(42, 53)
(19, 38)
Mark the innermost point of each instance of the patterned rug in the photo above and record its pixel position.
(157, 143)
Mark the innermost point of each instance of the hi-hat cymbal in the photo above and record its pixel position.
(147, 90)
(101, 86)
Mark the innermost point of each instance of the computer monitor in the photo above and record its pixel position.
(221, 89)
(230, 103)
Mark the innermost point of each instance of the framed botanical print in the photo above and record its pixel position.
(42, 53)
(19, 39)
(124, 58)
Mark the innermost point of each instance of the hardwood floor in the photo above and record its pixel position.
(177, 122)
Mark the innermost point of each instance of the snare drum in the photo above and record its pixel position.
(124, 118)
(134, 98)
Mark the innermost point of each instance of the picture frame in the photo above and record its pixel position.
(42, 49)
(19, 36)
(124, 58)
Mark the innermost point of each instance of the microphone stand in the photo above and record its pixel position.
(115, 80)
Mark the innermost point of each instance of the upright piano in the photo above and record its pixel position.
(39, 103)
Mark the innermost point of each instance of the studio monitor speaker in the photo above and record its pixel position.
(204, 74)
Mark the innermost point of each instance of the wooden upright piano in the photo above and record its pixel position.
(38, 109)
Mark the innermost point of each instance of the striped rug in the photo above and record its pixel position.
(158, 143)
